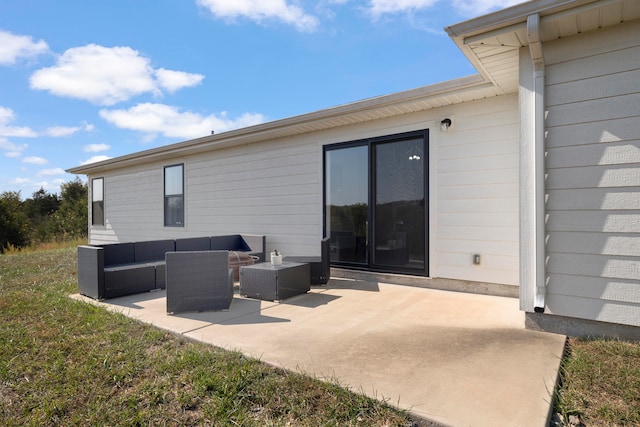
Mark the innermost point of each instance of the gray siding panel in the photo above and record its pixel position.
(593, 175)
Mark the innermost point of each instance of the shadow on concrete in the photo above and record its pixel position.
(357, 285)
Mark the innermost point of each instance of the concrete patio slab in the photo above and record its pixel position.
(453, 358)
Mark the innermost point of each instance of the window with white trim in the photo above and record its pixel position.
(97, 201)
(174, 196)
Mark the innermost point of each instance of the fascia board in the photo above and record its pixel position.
(511, 16)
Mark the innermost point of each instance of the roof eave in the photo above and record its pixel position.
(295, 125)
(511, 16)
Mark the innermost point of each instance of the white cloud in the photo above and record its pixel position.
(169, 121)
(98, 74)
(7, 116)
(61, 131)
(21, 181)
(29, 183)
(108, 75)
(464, 7)
(13, 47)
(260, 10)
(48, 172)
(34, 160)
(95, 159)
(480, 7)
(96, 148)
(175, 80)
(12, 150)
(13, 154)
(380, 7)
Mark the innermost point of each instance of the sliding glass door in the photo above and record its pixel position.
(399, 209)
(347, 203)
(376, 203)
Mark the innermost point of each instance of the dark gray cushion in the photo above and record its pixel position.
(193, 244)
(231, 242)
(118, 253)
(129, 279)
(153, 250)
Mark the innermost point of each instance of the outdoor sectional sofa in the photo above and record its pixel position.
(113, 270)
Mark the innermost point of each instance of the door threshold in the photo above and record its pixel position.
(455, 285)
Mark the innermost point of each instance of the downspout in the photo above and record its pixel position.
(535, 48)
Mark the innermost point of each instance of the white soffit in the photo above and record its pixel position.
(491, 42)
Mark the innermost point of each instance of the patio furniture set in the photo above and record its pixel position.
(196, 271)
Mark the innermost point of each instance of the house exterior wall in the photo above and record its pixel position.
(477, 193)
(276, 188)
(593, 175)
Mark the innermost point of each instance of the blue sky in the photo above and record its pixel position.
(82, 81)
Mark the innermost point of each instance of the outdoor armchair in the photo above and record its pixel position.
(198, 281)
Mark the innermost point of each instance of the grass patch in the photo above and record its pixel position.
(600, 383)
(64, 362)
(45, 246)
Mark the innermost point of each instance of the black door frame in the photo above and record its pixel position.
(370, 142)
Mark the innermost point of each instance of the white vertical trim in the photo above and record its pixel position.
(434, 137)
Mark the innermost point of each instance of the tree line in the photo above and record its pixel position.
(44, 217)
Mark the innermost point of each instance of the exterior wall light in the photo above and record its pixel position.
(445, 124)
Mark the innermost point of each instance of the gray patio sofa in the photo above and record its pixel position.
(113, 270)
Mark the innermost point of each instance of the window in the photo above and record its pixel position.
(97, 201)
(174, 196)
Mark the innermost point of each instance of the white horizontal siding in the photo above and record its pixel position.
(623, 312)
(133, 206)
(593, 242)
(593, 175)
(477, 193)
(275, 188)
(614, 130)
(594, 198)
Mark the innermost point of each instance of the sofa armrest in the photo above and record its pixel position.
(256, 245)
(91, 271)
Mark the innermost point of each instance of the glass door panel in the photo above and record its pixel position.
(399, 221)
(347, 195)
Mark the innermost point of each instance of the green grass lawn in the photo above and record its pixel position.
(65, 362)
(600, 383)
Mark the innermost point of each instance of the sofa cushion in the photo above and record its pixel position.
(118, 253)
(153, 250)
(193, 244)
(231, 242)
(129, 279)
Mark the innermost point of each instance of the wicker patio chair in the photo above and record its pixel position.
(198, 281)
